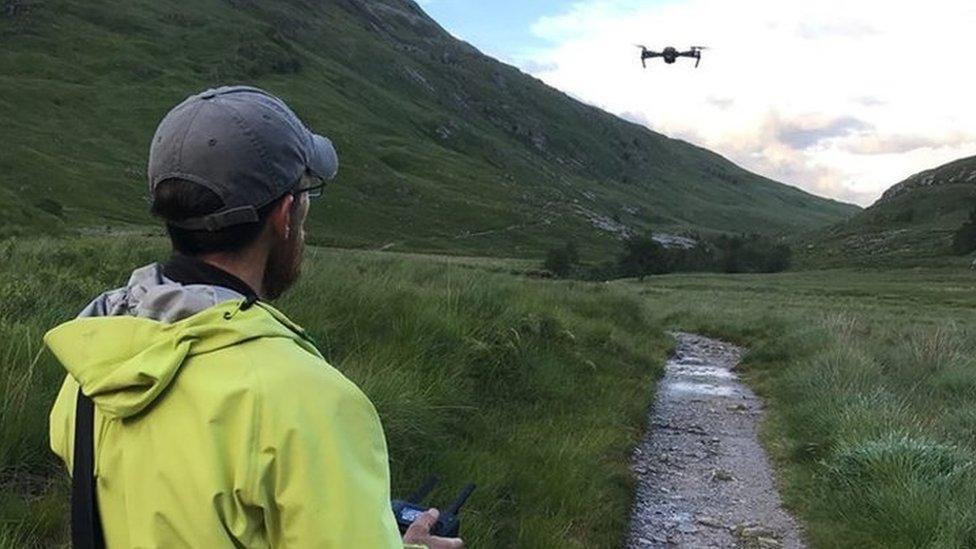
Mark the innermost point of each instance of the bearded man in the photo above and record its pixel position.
(195, 414)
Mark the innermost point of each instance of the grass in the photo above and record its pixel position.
(535, 391)
(870, 378)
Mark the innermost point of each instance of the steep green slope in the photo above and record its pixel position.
(442, 148)
(913, 222)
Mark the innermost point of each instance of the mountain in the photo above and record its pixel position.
(913, 222)
(442, 148)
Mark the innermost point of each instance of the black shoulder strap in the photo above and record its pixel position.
(86, 528)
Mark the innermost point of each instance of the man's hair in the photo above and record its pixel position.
(179, 199)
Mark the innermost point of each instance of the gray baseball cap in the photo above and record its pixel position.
(242, 143)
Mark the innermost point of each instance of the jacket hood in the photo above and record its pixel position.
(124, 362)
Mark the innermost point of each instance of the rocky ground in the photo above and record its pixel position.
(704, 480)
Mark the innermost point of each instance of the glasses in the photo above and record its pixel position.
(314, 191)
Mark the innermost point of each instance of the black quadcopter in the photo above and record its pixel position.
(671, 55)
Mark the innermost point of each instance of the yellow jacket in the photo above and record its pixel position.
(224, 429)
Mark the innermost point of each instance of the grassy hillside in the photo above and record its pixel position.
(535, 391)
(442, 148)
(912, 223)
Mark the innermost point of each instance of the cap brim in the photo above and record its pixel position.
(323, 161)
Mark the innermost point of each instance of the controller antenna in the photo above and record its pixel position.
(462, 497)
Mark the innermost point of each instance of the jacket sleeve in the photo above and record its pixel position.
(322, 469)
(61, 422)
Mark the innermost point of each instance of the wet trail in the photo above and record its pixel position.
(703, 478)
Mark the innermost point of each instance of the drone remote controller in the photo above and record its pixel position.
(448, 523)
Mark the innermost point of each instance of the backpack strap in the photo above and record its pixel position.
(86, 528)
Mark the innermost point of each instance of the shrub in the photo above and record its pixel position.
(50, 206)
(643, 256)
(562, 261)
(964, 240)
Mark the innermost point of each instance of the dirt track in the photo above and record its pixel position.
(703, 478)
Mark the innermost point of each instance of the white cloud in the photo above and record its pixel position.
(840, 98)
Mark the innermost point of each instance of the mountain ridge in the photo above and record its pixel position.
(441, 147)
(963, 171)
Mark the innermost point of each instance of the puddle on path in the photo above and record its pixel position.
(703, 371)
(703, 478)
(701, 388)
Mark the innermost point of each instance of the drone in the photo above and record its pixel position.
(671, 54)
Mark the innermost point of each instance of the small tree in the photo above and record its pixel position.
(643, 256)
(964, 241)
(778, 258)
(730, 253)
(562, 261)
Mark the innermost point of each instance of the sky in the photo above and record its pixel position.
(840, 98)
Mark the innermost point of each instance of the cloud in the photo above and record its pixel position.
(636, 118)
(828, 96)
(814, 30)
(575, 21)
(535, 67)
(895, 144)
(721, 103)
(804, 133)
(890, 144)
(869, 101)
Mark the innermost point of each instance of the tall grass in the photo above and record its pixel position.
(536, 391)
(871, 382)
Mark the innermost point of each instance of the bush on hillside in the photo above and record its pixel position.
(700, 257)
(562, 261)
(50, 206)
(751, 254)
(964, 241)
(643, 256)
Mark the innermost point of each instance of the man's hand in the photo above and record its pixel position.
(419, 533)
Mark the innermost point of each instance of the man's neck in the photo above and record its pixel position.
(247, 266)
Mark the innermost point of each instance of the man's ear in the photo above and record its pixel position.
(280, 219)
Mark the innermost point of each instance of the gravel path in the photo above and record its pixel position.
(703, 478)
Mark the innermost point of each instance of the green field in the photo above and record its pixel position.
(537, 390)
(870, 378)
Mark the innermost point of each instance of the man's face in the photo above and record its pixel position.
(285, 259)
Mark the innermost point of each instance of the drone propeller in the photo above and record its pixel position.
(700, 47)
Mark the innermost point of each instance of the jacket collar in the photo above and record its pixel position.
(187, 269)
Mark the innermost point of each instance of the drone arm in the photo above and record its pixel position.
(648, 54)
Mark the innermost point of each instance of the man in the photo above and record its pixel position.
(216, 422)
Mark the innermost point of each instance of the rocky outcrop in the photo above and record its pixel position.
(960, 171)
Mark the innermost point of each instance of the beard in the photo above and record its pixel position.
(284, 266)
